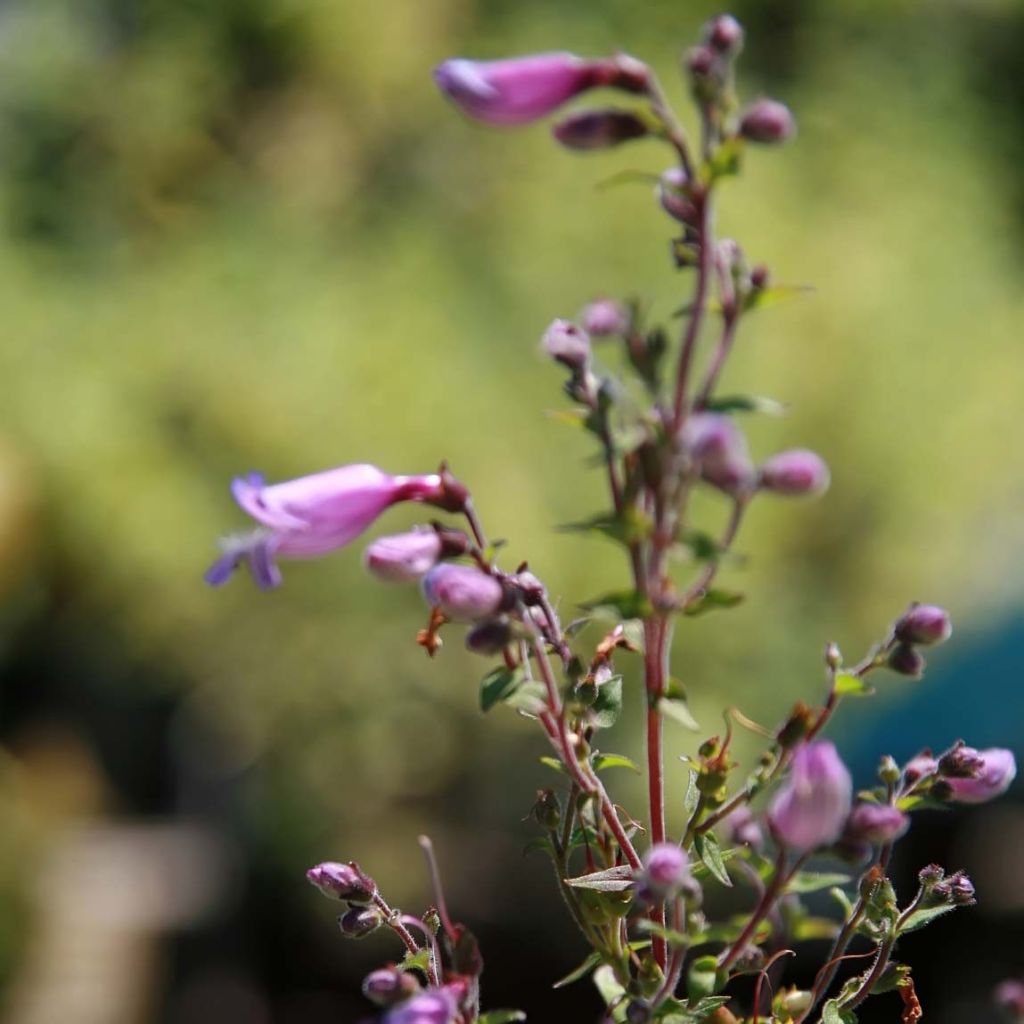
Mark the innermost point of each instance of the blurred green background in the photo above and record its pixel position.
(250, 235)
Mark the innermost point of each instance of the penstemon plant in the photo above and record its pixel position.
(636, 892)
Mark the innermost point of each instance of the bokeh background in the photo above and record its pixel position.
(250, 235)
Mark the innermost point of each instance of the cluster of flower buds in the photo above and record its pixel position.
(350, 883)
(921, 625)
(937, 889)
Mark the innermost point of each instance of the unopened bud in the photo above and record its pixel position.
(404, 557)
(924, 624)
(673, 198)
(666, 866)
(767, 121)
(546, 809)
(930, 875)
(741, 827)
(796, 727)
(343, 881)
(876, 824)
(605, 317)
(961, 889)
(358, 922)
(725, 34)
(700, 61)
(719, 449)
(599, 129)
(760, 276)
(489, 637)
(919, 766)
(833, 656)
(797, 473)
(795, 1001)
(567, 344)
(463, 593)
(961, 762)
(906, 661)
(888, 770)
(389, 985)
(1009, 997)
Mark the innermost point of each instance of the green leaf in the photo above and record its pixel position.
(552, 762)
(847, 684)
(813, 881)
(577, 973)
(602, 761)
(712, 599)
(624, 604)
(831, 1014)
(708, 1005)
(704, 978)
(919, 918)
(529, 698)
(808, 928)
(628, 177)
(611, 992)
(419, 961)
(498, 685)
(921, 802)
(539, 843)
(843, 900)
(711, 854)
(745, 403)
(678, 710)
(772, 296)
(605, 710)
(670, 935)
(701, 546)
(617, 879)
(501, 1017)
(630, 527)
(692, 794)
(702, 870)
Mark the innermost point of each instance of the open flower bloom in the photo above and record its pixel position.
(998, 769)
(434, 1007)
(811, 807)
(312, 515)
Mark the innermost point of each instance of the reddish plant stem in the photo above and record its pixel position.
(393, 922)
(718, 360)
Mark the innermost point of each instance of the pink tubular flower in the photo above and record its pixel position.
(404, 557)
(813, 804)
(313, 515)
(462, 592)
(998, 770)
(797, 472)
(434, 1007)
(522, 89)
(876, 823)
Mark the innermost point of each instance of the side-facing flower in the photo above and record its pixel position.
(313, 515)
(605, 317)
(797, 472)
(389, 985)
(462, 592)
(811, 807)
(343, 881)
(876, 823)
(434, 1007)
(404, 557)
(998, 769)
(567, 344)
(767, 121)
(523, 89)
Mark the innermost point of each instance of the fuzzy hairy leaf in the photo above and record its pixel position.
(579, 972)
(499, 684)
(706, 845)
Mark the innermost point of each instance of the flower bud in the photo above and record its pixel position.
(998, 769)
(489, 637)
(724, 34)
(930, 875)
(358, 922)
(876, 824)
(389, 985)
(546, 809)
(918, 767)
(741, 828)
(404, 557)
(1009, 997)
(794, 1001)
(797, 726)
(639, 1012)
(760, 276)
(719, 449)
(567, 344)
(924, 624)
(813, 803)
(605, 317)
(700, 61)
(767, 121)
(961, 762)
(599, 129)
(462, 592)
(671, 192)
(961, 889)
(666, 867)
(343, 881)
(434, 1007)
(888, 770)
(796, 472)
(906, 661)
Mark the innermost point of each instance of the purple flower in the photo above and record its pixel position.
(719, 449)
(342, 881)
(599, 129)
(604, 317)
(567, 344)
(767, 121)
(1009, 996)
(313, 515)
(924, 624)
(997, 771)
(671, 192)
(741, 827)
(522, 89)
(813, 803)
(876, 823)
(462, 592)
(665, 869)
(724, 34)
(795, 472)
(919, 766)
(389, 985)
(404, 557)
(434, 1007)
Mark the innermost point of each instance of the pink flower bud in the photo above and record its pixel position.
(605, 317)
(599, 129)
(719, 449)
(741, 828)
(342, 881)
(666, 868)
(434, 1007)
(672, 196)
(567, 344)
(314, 515)
(813, 803)
(876, 824)
(404, 557)
(389, 985)
(924, 624)
(796, 472)
(767, 121)
(1009, 997)
(724, 34)
(906, 661)
(919, 766)
(523, 89)
(998, 769)
(462, 592)
(358, 922)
